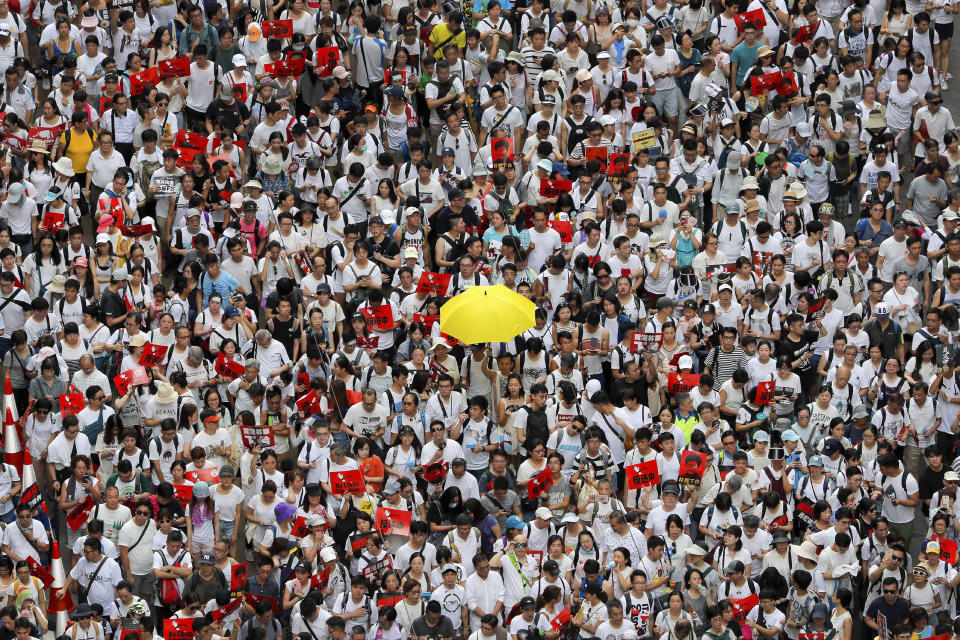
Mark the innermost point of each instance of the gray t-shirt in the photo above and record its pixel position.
(493, 505)
(421, 629)
(915, 271)
(18, 379)
(920, 191)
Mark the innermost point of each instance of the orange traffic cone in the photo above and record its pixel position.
(28, 477)
(64, 604)
(12, 454)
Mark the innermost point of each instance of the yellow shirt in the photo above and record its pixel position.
(441, 36)
(81, 146)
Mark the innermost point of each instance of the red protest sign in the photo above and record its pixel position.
(227, 367)
(277, 29)
(562, 619)
(286, 68)
(112, 206)
(252, 434)
(806, 32)
(52, 221)
(31, 495)
(48, 135)
(377, 569)
(178, 628)
(368, 342)
(240, 91)
(393, 521)
(133, 377)
(645, 341)
(253, 599)
(742, 606)
(813, 635)
(597, 153)
(553, 188)
(238, 579)
(222, 612)
(299, 529)
(320, 579)
(358, 541)
(753, 18)
(71, 403)
(682, 382)
(436, 370)
(327, 59)
(539, 483)
(426, 321)
(764, 393)
(188, 140)
(378, 318)
(351, 481)
(435, 284)
(77, 517)
(384, 600)
(174, 68)
(788, 85)
(948, 549)
(353, 397)
(309, 403)
(207, 474)
(563, 227)
(185, 156)
(183, 493)
(140, 82)
(16, 143)
(40, 572)
(761, 85)
(135, 230)
(644, 474)
(435, 472)
(692, 465)
(619, 163)
(501, 152)
(153, 354)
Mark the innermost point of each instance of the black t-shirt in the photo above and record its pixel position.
(930, 482)
(441, 223)
(709, 334)
(234, 114)
(387, 248)
(111, 305)
(172, 505)
(792, 350)
(421, 629)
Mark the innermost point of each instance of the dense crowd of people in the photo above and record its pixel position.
(227, 233)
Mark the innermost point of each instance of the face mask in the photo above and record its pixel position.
(633, 22)
(363, 148)
(453, 505)
(298, 47)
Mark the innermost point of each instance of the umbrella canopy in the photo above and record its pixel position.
(487, 314)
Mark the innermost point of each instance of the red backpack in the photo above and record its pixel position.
(167, 590)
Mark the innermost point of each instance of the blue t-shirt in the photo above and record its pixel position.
(744, 56)
(224, 285)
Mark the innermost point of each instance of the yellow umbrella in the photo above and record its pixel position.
(487, 314)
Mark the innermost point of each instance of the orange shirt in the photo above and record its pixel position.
(372, 467)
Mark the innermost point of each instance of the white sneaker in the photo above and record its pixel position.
(949, 75)
(943, 85)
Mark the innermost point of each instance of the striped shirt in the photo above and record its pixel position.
(532, 58)
(722, 364)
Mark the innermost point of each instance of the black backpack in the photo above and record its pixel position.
(536, 425)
